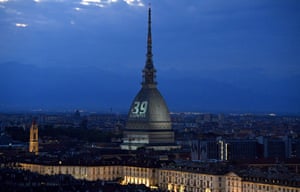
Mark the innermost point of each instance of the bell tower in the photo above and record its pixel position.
(34, 138)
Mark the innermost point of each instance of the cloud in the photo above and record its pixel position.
(98, 3)
(40, 1)
(22, 25)
(134, 2)
(103, 3)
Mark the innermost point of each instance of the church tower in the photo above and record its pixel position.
(149, 122)
(34, 138)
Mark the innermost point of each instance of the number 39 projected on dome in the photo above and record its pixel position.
(139, 109)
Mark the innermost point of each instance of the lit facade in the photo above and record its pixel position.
(140, 175)
(180, 181)
(169, 179)
(91, 173)
(129, 174)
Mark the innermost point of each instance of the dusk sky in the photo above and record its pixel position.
(210, 55)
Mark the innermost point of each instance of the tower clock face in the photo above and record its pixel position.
(139, 109)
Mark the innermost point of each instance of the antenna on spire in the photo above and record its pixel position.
(149, 70)
(149, 43)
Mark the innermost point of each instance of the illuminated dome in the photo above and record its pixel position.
(149, 122)
(149, 111)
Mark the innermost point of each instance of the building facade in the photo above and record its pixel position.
(171, 179)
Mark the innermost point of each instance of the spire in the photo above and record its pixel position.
(149, 40)
(149, 70)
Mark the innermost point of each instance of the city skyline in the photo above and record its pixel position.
(210, 55)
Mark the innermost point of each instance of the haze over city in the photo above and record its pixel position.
(212, 56)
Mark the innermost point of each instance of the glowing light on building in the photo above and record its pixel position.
(136, 180)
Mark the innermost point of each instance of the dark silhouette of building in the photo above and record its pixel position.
(241, 149)
(274, 148)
